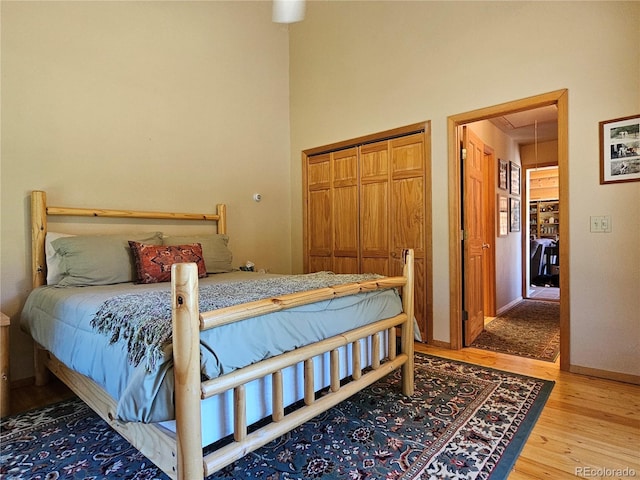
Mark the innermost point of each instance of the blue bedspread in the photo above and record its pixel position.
(59, 319)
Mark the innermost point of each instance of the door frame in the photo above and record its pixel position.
(560, 99)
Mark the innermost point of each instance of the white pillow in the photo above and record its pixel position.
(54, 259)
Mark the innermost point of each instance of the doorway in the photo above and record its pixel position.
(462, 285)
(542, 223)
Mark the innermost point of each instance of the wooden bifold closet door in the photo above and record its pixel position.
(364, 203)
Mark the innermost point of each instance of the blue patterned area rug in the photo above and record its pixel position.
(464, 422)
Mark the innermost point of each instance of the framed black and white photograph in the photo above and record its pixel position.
(514, 210)
(620, 150)
(514, 175)
(503, 174)
(503, 215)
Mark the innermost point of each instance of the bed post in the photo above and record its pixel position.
(186, 356)
(38, 234)
(222, 218)
(39, 271)
(407, 329)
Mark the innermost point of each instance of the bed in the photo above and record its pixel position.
(202, 394)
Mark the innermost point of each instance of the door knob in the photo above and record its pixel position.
(485, 246)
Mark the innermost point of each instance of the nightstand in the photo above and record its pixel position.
(5, 387)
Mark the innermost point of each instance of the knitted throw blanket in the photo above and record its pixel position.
(143, 320)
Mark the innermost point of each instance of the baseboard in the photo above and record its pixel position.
(596, 372)
(508, 306)
(440, 344)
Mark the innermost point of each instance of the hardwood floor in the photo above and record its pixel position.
(29, 397)
(589, 427)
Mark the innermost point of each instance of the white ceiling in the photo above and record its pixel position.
(522, 126)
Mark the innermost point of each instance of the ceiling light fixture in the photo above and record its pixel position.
(288, 11)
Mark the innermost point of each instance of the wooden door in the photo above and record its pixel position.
(374, 208)
(473, 227)
(365, 200)
(319, 218)
(408, 214)
(345, 211)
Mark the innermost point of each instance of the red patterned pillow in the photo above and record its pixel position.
(153, 262)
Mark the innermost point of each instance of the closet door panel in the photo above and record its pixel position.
(374, 220)
(374, 207)
(407, 215)
(319, 225)
(407, 156)
(345, 211)
(420, 304)
(366, 204)
(320, 264)
(345, 215)
(345, 264)
(375, 265)
(374, 162)
(345, 167)
(319, 172)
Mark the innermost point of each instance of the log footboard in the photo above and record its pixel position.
(188, 322)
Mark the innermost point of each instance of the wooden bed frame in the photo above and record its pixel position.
(180, 455)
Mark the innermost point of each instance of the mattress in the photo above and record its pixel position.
(59, 319)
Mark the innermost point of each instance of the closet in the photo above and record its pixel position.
(367, 199)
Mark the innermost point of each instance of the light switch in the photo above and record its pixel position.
(600, 223)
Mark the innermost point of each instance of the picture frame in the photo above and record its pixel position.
(620, 150)
(503, 215)
(514, 175)
(503, 174)
(514, 213)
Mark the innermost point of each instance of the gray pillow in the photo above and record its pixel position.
(99, 259)
(217, 256)
(54, 261)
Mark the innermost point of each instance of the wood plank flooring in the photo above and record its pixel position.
(589, 428)
(29, 397)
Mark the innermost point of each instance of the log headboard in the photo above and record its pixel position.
(40, 211)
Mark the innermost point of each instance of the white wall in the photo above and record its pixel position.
(364, 67)
(171, 106)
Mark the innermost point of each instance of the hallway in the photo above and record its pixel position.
(544, 293)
